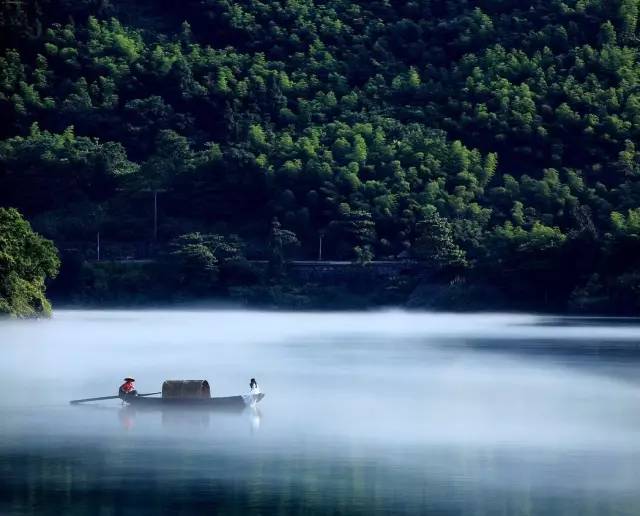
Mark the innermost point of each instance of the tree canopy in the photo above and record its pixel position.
(489, 133)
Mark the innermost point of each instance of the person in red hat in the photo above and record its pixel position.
(127, 389)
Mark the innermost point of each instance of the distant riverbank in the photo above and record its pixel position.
(305, 285)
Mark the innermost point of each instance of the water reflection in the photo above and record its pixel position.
(365, 414)
(188, 420)
(183, 420)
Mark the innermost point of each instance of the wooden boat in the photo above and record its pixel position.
(183, 394)
(192, 394)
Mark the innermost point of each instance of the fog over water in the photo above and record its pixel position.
(380, 412)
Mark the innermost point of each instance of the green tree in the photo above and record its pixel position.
(351, 229)
(629, 16)
(26, 261)
(45, 171)
(363, 254)
(281, 241)
(196, 260)
(434, 244)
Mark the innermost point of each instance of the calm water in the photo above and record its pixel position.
(364, 414)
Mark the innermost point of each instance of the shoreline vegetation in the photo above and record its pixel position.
(303, 286)
(210, 270)
(494, 145)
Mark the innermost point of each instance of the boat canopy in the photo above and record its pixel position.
(186, 389)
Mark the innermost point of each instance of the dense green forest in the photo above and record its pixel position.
(495, 141)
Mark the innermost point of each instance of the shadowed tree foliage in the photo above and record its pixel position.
(197, 259)
(281, 241)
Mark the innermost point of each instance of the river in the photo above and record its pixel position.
(364, 413)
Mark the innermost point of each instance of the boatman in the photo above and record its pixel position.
(127, 389)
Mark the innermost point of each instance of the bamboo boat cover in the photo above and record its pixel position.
(186, 389)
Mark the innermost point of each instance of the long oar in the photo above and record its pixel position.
(73, 402)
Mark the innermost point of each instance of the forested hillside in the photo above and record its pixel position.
(496, 141)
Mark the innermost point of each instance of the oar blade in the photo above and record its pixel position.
(75, 402)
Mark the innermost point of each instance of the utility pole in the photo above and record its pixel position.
(155, 215)
(155, 191)
(320, 236)
(98, 245)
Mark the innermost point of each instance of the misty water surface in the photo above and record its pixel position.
(364, 413)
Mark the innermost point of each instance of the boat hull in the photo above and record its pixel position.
(225, 403)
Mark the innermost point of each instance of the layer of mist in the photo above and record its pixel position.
(364, 412)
